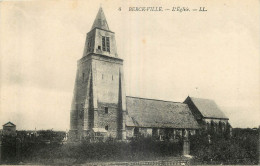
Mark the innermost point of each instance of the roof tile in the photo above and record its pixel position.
(157, 113)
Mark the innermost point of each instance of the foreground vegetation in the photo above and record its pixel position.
(75, 153)
(241, 148)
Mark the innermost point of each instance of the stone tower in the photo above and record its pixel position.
(99, 96)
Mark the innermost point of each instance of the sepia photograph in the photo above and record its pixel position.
(129, 82)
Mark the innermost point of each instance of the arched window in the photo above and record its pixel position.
(220, 128)
(212, 126)
(224, 126)
(105, 44)
(207, 126)
(136, 131)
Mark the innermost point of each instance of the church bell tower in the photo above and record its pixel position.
(99, 103)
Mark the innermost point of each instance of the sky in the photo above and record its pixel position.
(167, 55)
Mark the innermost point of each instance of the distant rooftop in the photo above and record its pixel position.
(9, 124)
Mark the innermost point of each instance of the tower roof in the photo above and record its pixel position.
(100, 21)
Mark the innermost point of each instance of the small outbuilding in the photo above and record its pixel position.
(9, 129)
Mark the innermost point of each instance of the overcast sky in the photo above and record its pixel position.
(167, 55)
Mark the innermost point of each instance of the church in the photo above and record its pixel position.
(100, 107)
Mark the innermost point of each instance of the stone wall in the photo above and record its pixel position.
(108, 119)
(106, 79)
(97, 87)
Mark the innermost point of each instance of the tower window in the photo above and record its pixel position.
(105, 44)
(99, 47)
(90, 43)
(88, 46)
(106, 127)
(108, 44)
(106, 110)
(83, 77)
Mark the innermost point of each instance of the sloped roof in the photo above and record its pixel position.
(208, 108)
(100, 21)
(157, 113)
(9, 124)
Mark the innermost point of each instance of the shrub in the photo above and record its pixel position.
(241, 148)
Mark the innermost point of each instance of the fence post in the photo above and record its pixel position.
(0, 150)
(186, 147)
(259, 145)
(186, 143)
(18, 150)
